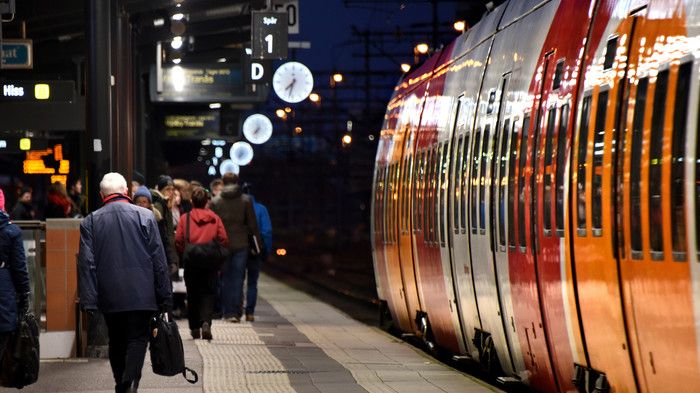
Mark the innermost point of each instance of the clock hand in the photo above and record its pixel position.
(291, 85)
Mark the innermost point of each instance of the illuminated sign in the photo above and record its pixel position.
(25, 144)
(32, 91)
(35, 164)
(17, 54)
(194, 125)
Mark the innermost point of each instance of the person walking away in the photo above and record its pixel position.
(58, 204)
(256, 261)
(236, 212)
(204, 227)
(23, 210)
(215, 187)
(175, 208)
(14, 280)
(185, 188)
(123, 274)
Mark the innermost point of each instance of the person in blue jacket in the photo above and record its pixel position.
(14, 280)
(255, 261)
(123, 274)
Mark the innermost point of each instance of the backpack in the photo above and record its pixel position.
(202, 257)
(20, 361)
(167, 353)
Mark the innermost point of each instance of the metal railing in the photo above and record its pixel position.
(34, 240)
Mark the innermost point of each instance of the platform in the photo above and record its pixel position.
(297, 344)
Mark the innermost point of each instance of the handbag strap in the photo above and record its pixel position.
(195, 377)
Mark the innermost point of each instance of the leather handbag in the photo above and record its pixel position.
(20, 361)
(167, 352)
(205, 256)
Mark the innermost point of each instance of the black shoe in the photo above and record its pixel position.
(206, 331)
(133, 387)
(196, 333)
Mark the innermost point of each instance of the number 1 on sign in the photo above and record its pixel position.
(268, 39)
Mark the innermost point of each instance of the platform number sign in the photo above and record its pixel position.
(269, 35)
(291, 7)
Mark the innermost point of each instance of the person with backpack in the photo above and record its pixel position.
(14, 279)
(200, 228)
(123, 274)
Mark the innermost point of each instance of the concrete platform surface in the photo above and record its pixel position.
(296, 344)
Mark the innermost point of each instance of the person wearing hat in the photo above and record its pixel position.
(162, 199)
(14, 280)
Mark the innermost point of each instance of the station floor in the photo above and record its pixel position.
(296, 344)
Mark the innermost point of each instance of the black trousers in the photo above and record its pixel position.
(4, 339)
(201, 296)
(128, 337)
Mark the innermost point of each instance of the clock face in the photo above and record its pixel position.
(293, 82)
(257, 128)
(241, 153)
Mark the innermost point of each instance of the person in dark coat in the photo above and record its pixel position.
(236, 212)
(123, 274)
(23, 209)
(162, 198)
(58, 203)
(14, 280)
(256, 261)
(204, 227)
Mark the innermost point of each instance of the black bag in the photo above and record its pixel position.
(167, 353)
(20, 361)
(206, 256)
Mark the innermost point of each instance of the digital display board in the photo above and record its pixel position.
(37, 91)
(192, 125)
(203, 83)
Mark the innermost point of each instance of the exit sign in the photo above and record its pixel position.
(17, 54)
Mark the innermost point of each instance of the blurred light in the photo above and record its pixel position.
(241, 153)
(215, 161)
(212, 171)
(176, 43)
(348, 125)
(3, 144)
(248, 51)
(370, 137)
(347, 139)
(288, 110)
(281, 252)
(460, 25)
(214, 105)
(280, 113)
(178, 78)
(158, 22)
(298, 130)
(314, 97)
(227, 166)
(178, 16)
(42, 91)
(177, 60)
(206, 142)
(178, 5)
(422, 48)
(405, 67)
(25, 144)
(218, 152)
(218, 142)
(221, 60)
(337, 77)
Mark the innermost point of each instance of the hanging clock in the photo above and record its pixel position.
(228, 166)
(257, 128)
(241, 153)
(293, 82)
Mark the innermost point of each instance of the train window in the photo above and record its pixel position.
(502, 178)
(513, 154)
(416, 195)
(678, 232)
(581, 176)
(521, 182)
(457, 176)
(443, 192)
(482, 176)
(636, 168)
(434, 204)
(598, 151)
(656, 240)
(464, 183)
(558, 71)
(389, 203)
(561, 167)
(475, 179)
(610, 51)
(548, 145)
(429, 187)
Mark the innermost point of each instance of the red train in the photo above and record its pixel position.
(536, 199)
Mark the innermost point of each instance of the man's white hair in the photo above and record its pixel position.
(113, 183)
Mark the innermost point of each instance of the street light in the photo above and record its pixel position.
(297, 130)
(281, 113)
(337, 77)
(405, 67)
(178, 16)
(347, 139)
(177, 42)
(314, 97)
(422, 48)
(460, 26)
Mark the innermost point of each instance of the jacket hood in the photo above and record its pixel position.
(202, 216)
(231, 191)
(4, 219)
(156, 195)
(157, 214)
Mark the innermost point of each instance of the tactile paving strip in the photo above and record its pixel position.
(238, 361)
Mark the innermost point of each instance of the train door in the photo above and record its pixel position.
(459, 241)
(492, 340)
(653, 203)
(595, 228)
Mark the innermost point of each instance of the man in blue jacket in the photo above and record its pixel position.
(14, 280)
(123, 274)
(255, 261)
